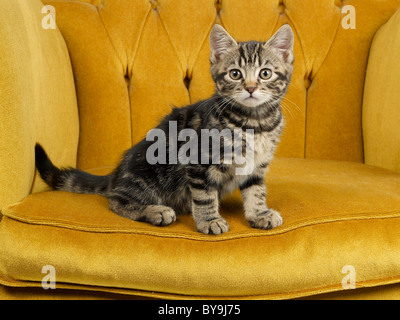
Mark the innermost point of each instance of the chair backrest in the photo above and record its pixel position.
(381, 112)
(135, 59)
(37, 98)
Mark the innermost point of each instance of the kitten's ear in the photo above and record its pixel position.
(282, 42)
(220, 43)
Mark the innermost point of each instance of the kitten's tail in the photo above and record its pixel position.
(72, 180)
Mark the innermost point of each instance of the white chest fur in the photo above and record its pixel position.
(255, 156)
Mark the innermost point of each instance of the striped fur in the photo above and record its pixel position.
(157, 193)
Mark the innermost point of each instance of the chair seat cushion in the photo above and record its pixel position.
(335, 215)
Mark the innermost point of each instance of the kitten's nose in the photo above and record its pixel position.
(250, 89)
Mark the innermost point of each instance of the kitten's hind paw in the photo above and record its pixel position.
(267, 220)
(159, 215)
(216, 226)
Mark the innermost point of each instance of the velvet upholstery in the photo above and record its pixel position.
(38, 100)
(154, 55)
(111, 69)
(381, 111)
(328, 224)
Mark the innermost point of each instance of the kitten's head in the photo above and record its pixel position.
(252, 73)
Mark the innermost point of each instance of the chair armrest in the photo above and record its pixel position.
(37, 98)
(381, 106)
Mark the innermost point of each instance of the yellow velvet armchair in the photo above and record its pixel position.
(88, 79)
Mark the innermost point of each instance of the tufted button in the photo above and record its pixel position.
(127, 77)
(186, 82)
(218, 5)
(338, 3)
(153, 4)
(187, 78)
(307, 83)
(281, 7)
(127, 81)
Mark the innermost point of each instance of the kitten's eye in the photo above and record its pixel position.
(265, 74)
(235, 74)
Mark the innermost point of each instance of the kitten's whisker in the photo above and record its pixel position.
(287, 109)
(204, 102)
(293, 85)
(294, 104)
(222, 105)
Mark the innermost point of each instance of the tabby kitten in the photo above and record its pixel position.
(250, 79)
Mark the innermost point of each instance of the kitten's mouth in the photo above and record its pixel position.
(251, 98)
(250, 101)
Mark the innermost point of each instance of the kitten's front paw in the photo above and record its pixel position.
(216, 226)
(267, 220)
